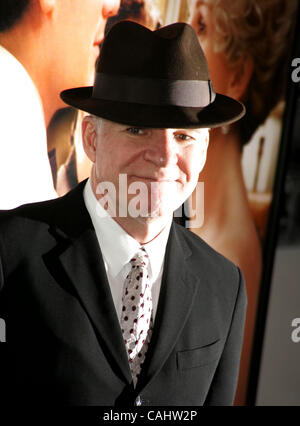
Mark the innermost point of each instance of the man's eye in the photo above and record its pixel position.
(183, 137)
(135, 130)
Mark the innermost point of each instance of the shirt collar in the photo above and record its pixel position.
(117, 246)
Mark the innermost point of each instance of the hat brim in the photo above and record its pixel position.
(222, 111)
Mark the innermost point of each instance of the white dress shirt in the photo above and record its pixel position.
(25, 174)
(118, 248)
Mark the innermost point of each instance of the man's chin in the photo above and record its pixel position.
(146, 219)
(153, 216)
(163, 210)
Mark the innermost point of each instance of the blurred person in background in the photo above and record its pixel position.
(45, 45)
(238, 40)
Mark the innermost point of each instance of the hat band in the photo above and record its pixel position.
(185, 93)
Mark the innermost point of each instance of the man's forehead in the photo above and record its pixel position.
(116, 124)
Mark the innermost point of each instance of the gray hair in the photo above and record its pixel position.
(97, 122)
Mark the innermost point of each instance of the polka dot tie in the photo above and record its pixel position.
(136, 319)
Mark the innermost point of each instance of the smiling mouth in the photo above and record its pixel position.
(153, 179)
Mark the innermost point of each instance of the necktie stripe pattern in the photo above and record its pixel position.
(136, 318)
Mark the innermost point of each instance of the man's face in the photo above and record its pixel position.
(161, 165)
(78, 28)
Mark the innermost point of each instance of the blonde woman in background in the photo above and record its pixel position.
(246, 44)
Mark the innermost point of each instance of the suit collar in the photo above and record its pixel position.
(117, 246)
(109, 232)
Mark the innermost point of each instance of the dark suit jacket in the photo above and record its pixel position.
(64, 344)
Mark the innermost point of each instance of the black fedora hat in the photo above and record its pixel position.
(157, 79)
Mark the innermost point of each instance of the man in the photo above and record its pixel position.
(45, 46)
(106, 300)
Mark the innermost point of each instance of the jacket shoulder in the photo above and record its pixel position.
(199, 247)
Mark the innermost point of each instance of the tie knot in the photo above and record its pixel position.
(140, 259)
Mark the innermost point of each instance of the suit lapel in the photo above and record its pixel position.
(177, 294)
(79, 254)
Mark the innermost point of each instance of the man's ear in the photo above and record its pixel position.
(89, 137)
(241, 76)
(47, 6)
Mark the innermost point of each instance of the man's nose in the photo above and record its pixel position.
(163, 149)
(110, 8)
